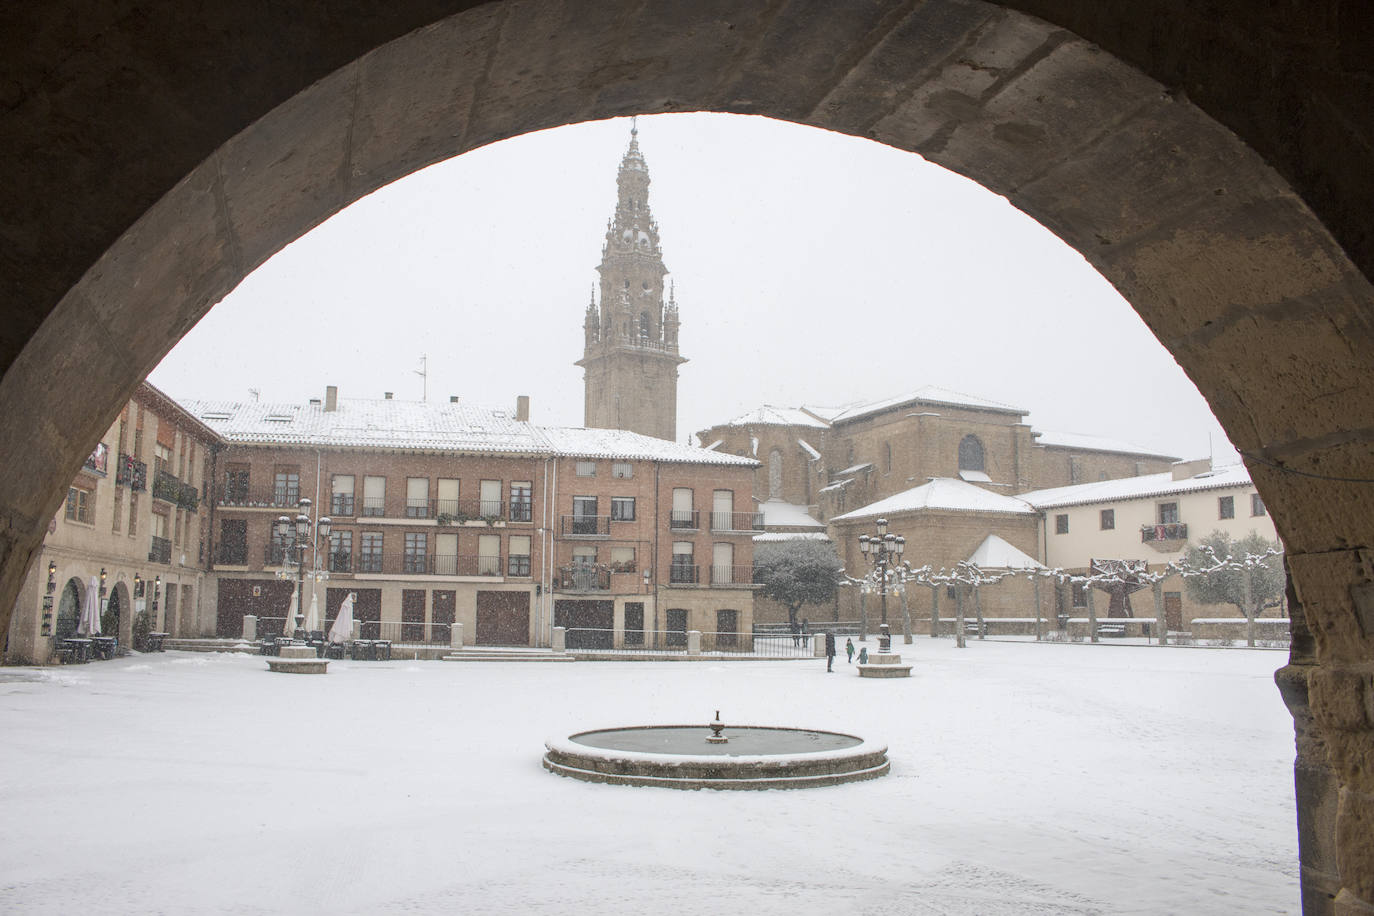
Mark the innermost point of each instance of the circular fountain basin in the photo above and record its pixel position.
(680, 757)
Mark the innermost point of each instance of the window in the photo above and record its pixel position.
(723, 510)
(1168, 513)
(622, 508)
(416, 547)
(971, 454)
(1257, 506)
(722, 564)
(727, 627)
(374, 496)
(1075, 469)
(622, 469)
(584, 515)
(584, 555)
(683, 570)
(1079, 595)
(341, 495)
(233, 541)
(447, 502)
(774, 473)
(586, 469)
(417, 497)
(286, 486)
(887, 457)
(446, 555)
(623, 560)
(277, 547)
(162, 459)
(489, 497)
(521, 500)
(1061, 524)
(1108, 519)
(489, 555)
(370, 556)
(634, 623)
(682, 515)
(341, 551)
(1226, 507)
(236, 483)
(80, 505)
(518, 563)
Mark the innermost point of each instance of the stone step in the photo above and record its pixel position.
(507, 655)
(211, 645)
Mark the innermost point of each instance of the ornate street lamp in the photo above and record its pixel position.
(294, 534)
(883, 550)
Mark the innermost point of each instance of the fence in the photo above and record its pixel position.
(400, 632)
(604, 641)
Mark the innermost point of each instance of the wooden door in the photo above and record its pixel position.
(1173, 610)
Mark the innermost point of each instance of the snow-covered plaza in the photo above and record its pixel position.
(1026, 778)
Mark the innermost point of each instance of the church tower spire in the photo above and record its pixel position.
(630, 353)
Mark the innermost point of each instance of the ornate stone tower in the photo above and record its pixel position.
(630, 356)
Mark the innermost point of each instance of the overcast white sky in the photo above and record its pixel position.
(810, 267)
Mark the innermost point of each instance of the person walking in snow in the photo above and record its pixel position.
(849, 648)
(863, 655)
(829, 651)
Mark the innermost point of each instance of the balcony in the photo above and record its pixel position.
(236, 495)
(733, 576)
(166, 487)
(131, 473)
(1174, 531)
(160, 551)
(736, 521)
(682, 574)
(340, 561)
(688, 519)
(402, 564)
(583, 577)
(593, 526)
(341, 505)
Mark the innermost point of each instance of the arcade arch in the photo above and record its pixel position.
(1226, 263)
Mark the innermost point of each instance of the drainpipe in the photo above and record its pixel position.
(315, 539)
(655, 562)
(545, 561)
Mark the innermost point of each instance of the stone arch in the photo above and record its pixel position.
(140, 201)
(68, 616)
(117, 617)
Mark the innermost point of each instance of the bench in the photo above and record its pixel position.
(1111, 629)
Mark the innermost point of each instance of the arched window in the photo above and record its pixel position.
(645, 326)
(775, 474)
(971, 454)
(887, 457)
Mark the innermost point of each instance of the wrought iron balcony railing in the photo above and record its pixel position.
(736, 521)
(584, 525)
(160, 550)
(583, 577)
(1174, 531)
(732, 575)
(682, 574)
(684, 518)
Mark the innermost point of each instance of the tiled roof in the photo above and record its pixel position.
(941, 494)
(1095, 444)
(414, 425)
(928, 394)
(767, 415)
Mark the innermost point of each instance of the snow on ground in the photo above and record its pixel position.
(1026, 779)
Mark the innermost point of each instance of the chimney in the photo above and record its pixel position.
(453, 399)
(314, 402)
(522, 408)
(331, 398)
(1185, 469)
(387, 395)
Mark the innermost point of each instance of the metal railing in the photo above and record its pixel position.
(682, 574)
(412, 632)
(241, 497)
(732, 575)
(403, 564)
(684, 518)
(584, 525)
(160, 550)
(583, 577)
(736, 521)
(341, 505)
(1174, 531)
(675, 643)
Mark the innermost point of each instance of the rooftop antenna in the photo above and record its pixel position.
(423, 373)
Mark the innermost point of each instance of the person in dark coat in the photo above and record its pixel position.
(849, 648)
(829, 651)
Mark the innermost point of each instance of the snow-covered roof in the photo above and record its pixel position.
(1095, 444)
(929, 394)
(768, 415)
(815, 455)
(857, 468)
(780, 514)
(770, 537)
(996, 553)
(449, 427)
(1143, 487)
(943, 494)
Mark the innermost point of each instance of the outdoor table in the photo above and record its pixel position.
(154, 642)
(361, 650)
(79, 649)
(381, 650)
(104, 646)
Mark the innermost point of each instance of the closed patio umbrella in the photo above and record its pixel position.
(289, 627)
(312, 619)
(342, 631)
(90, 611)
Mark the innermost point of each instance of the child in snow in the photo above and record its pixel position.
(863, 655)
(849, 649)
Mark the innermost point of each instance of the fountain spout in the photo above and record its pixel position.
(716, 728)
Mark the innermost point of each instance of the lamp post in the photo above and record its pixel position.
(882, 550)
(295, 535)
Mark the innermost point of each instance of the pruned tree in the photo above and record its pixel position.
(1247, 573)
(797, 572)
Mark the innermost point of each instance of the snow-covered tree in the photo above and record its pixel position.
(797, 572)
(1247, 573)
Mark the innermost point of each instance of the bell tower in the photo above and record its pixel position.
(630, 355)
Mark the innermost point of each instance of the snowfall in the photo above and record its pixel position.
(1026, 778)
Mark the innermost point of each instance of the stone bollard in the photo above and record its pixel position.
(250, 627)
(818, 645)
(693, 642)
(455, 636)
(560, 639)
(357, 632)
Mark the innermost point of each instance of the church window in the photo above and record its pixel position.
(971, 454)
(775, 474)
(645, 326)
(887, 457)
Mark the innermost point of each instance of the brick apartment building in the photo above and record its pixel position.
(134, 524)
(445, 513)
